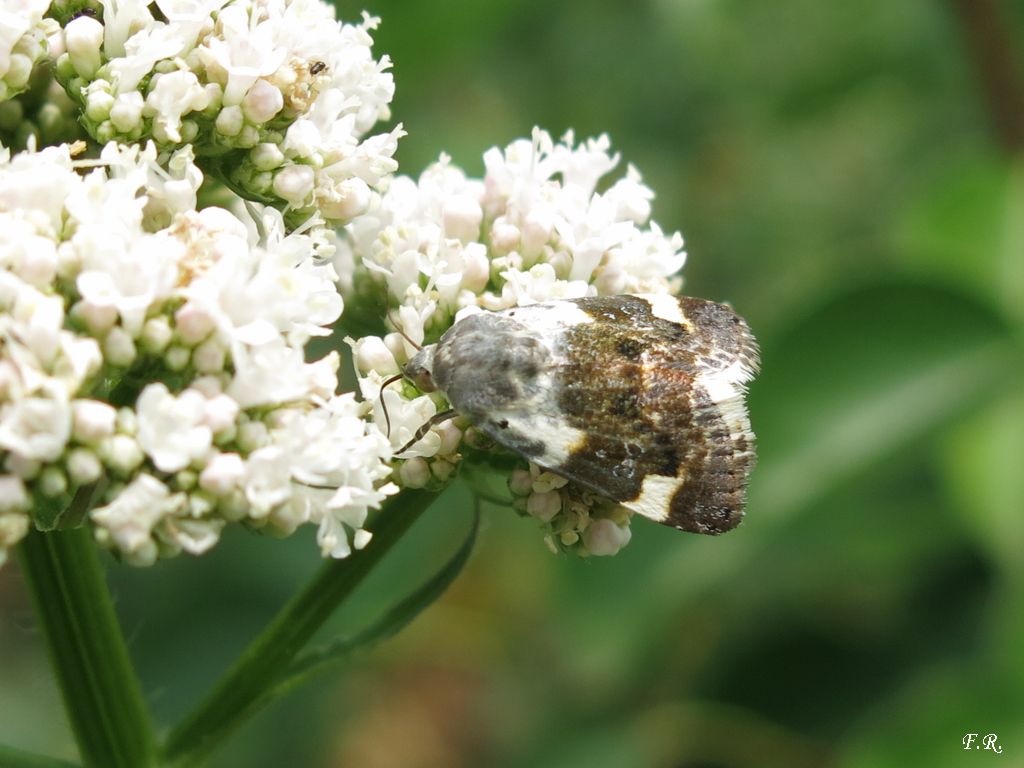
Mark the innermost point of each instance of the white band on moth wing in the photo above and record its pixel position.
(550, 320)
(544, 425)
(667, 307)
(655, 499)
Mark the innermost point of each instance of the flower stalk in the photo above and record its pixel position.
(246, 686)
(101, 693)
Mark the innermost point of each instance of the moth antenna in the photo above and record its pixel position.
(437, 418)
(383, 404)
(402, 333)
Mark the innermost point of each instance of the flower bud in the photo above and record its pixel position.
(84, 38)
(126, 113)
(294, 183)
(13, 497)
(544, 506)
(230, 121)
(604, 537)
(84, 466)
(193, 323)
(262, 102)
(119, 347)
(414, 473)
(92, 420)
(156, 335)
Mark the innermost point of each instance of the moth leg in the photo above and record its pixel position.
(434, 420)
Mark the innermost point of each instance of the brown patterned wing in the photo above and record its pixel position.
(656, 386)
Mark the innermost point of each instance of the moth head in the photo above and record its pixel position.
(419, 370)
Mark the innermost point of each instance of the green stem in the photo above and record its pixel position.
(101, 694)
(243, 689)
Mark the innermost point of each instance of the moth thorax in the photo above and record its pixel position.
(489, 362)
(419, 370)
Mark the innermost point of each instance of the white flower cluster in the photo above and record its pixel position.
(575, 519)
(535, 228)
(153, 354)
(276, 94)
(24, 37)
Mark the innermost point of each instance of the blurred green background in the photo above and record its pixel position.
(850, 176)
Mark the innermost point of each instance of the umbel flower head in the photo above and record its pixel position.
(153, 355)
(277, 94)
(23, 42)
(535, 228)
(155, 362)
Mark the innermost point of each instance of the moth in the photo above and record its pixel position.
(637, 398)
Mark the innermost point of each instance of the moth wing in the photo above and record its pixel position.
(652, 410)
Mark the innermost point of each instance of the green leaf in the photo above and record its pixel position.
(317, 660)
(868, 375)
(982, 472)
(967, 228)
(48, 510)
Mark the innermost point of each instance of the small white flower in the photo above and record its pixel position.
(171, 429)
(269, 374)
(129, 279)
(173, 95)
(130, 518)
(268, 480)
(222, 474)
(220, 412)
(193, 536)
(36, 427)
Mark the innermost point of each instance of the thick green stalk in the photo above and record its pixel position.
(243, 689)
(101, 693)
